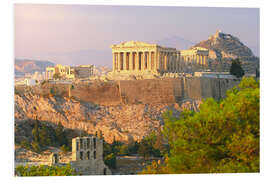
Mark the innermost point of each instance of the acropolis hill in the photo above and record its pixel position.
(146, 80)
(126, 110)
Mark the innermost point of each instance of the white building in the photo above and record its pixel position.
(214, 75)
(27, 82)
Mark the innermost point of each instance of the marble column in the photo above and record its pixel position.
(124, 61)
(134, 60)
(157, 56)
(198, 59)
(150, 61)
(175, 61)
(143, 61)
(113, 62)
(163, 58)
(119, 61)
(160, 59)
(130, 58)
(171, 62)
(204, 60)
(137, 61)
(173, 65)
(166, 62)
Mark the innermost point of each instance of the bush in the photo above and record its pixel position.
(43, 170)
(149, 146)
(25, 144)
(123, 150)
(110, 160)
(36, 147)
(65, 148)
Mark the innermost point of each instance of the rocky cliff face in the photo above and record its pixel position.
(124, 122)
(222, 45)
(126, 110)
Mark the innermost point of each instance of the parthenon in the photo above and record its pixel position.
(134, 57)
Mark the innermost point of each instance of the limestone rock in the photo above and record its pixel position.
(125, 122)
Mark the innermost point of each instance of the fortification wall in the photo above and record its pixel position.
(148, 91)
(173, 90)
(106, 93)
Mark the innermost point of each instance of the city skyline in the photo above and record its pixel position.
(83, 34)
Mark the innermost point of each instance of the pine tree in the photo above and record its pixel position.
(35, 132)
(236, 68)
(60, 134)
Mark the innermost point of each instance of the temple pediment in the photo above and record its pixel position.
(134, 44)
(200, 48)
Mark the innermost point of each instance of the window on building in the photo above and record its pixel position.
(81, 155)
(88, 155)
(88, 143)
(95, 155)
(55, 158)
(95, 143)
(81, 144)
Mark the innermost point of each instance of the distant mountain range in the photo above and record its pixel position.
(23, 66)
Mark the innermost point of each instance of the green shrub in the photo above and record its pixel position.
(43, 170)
(65, 148)
(25, 144)
(110, 160)
(36, 147)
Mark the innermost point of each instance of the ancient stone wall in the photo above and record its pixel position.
(174, 90)
(148, 91)
(103, 93)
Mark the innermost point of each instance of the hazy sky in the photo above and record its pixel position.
(83, 34)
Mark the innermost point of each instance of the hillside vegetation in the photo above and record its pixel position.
(223, 137)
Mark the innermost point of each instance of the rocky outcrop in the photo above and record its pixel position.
(124, 122)
(222, 45)
(126, 110)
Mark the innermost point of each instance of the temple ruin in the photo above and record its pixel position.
(87, 156)
(138, 58)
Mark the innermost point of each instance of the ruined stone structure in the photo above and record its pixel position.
(54, 157)
(87, 156)
(62, 70)
(142, 58)
(196, 55)
(84, 71)
(68, 72)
